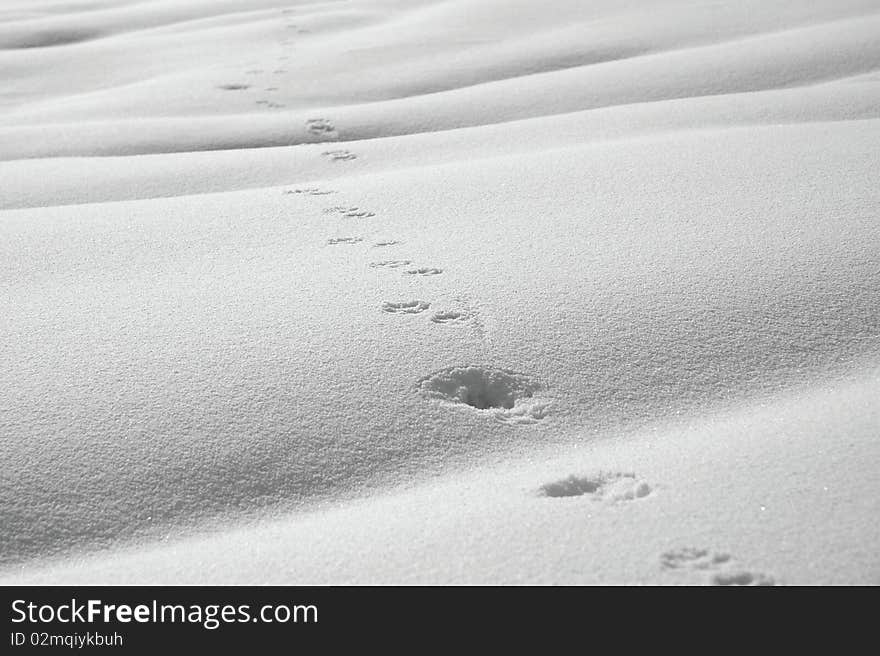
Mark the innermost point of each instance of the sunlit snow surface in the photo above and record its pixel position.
(464, 291)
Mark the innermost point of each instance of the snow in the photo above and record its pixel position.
(482, 292)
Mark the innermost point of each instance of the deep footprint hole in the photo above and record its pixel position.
(614, 486)
(483, 388)
(573, 486)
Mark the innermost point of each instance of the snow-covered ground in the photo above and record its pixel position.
(377, 291)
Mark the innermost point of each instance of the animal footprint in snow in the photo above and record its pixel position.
(449, 316)
(234, 87)
(320, 126)
(339, 155)
(254, 71)
(310, 191)
(383, 244)
(405, 307)
(507, 395)
(349, 212)
(343, 240)
(718, 565)
(603, 486)
(390, 264)
(742, 578)
(424, 271)
(693, 558)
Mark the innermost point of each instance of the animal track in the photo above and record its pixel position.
(742, 578)
(349, 212)
(693, 558)
(339, 155)
(271, 88)
(405, 307)
(254, 71)
(344, 240)
(704, 560)
(480, 387)
(390, 264)
(449, 316)
(508, 394)
(607, 486)
(234, 87)
(320, 126)
(311, 191)
(424, 271)
(382, 244)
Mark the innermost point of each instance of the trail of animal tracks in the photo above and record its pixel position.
(440, 291)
